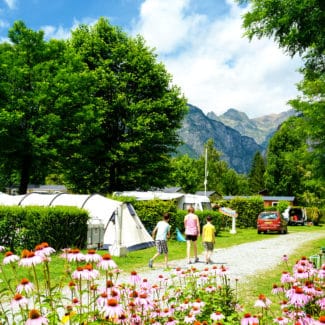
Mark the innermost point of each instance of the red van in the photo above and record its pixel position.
(271, 221)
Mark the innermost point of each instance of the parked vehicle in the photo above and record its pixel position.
(295, 215)
(271, 221)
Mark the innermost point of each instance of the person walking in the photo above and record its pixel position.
(192, 232)
(208, 239)
(161, 233)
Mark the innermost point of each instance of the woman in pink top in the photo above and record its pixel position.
(192, 231)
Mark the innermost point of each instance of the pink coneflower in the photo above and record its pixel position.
(44, 249)
(112, 308)
(2, 248)
(285, 258)
(286, 277)
(281, 320)
(189, 319)
(321, 303)
(29, 258)
(248, 319)
(321, 272)
(74, 255)
(301, 273)
(92, 256)
(123, 319)
(75, 301)
(19, 301)
(298, 298)
(262, 302)
(106, 263)
(198, 303)
(10, 258)
(195, 310)
(25, 285)
(210, 289)
(101, 301)
(134, 278)
(135, 319)
(276, 289)
(166, 312)
(171, 321)
(216, 316)
(145, 284)
(35, 318)
(144, 301)
(184, 305)
(85, 272)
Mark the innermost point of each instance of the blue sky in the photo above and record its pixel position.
(199, 41)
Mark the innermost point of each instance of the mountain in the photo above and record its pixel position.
(237, 150)
(261, 129)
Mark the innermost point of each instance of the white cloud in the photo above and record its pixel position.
(11, 3)
(215, 66)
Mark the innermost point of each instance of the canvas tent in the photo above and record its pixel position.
(122, 229)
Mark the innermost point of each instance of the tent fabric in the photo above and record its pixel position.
(122, 226)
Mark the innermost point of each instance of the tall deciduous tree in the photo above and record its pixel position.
(28, 124)
(138, 109)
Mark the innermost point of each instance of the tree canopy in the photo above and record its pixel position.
(97, 109)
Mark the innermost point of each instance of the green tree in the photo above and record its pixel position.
(286, 161)
(299, 28)
(256, 174)
(185, 173)
(138, 110)
(28, 124)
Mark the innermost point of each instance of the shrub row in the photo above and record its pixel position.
(25, 227)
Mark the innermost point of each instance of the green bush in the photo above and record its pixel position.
(25, 227)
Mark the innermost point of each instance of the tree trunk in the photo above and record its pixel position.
(24, 177)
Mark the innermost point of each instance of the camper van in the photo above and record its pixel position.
(184, 201)
(295, 215)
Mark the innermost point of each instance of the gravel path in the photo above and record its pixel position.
(242, 260)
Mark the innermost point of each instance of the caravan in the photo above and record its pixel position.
(113, 225)
(183, 201)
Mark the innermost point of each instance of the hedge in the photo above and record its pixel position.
(60, 227)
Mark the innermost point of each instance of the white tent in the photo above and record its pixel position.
(123, 231)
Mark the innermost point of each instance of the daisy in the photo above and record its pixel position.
(106, 262)
(29, 258)
(19, 301)
(35, 318)
(25, 285)
(92, 256)
(10, 258)
(112, 308)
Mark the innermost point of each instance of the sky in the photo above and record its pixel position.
(200, 42)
